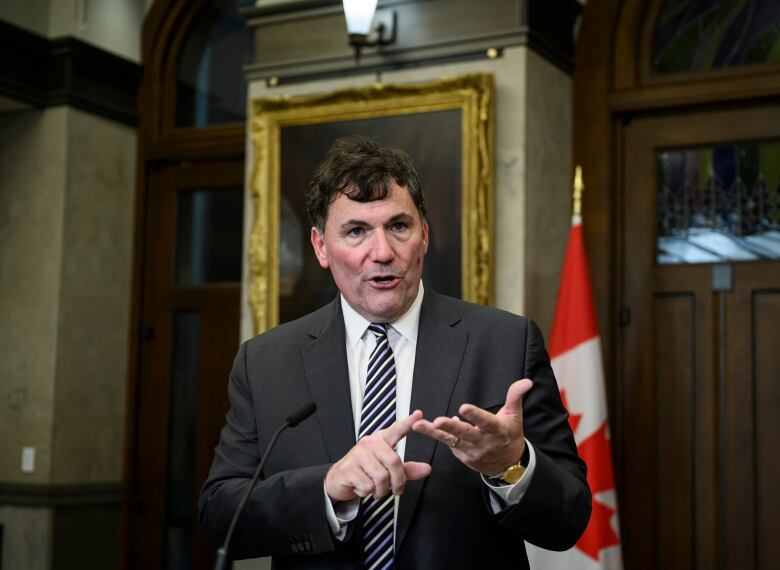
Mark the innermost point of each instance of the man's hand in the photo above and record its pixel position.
(493, 442)
(373, 467)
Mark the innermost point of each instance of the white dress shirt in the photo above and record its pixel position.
(402, 336)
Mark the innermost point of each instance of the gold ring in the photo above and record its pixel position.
(454, 442)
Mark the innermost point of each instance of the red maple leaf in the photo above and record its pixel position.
(599, 533)
(596, 452)
(574, 419)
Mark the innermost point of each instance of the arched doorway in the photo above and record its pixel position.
(187, 270)
(677, 123)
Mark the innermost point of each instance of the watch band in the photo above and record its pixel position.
(513, 473)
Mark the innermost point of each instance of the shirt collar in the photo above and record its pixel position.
(406, 325)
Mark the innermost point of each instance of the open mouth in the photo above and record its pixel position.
(382, 281)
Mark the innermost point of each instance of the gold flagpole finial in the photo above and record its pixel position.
(579, 187)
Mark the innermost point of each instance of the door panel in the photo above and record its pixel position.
(674, 330)
(766, 315)
(191, 324)
(698, 377)
(751, 421)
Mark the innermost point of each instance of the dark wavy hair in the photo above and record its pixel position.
(361, 169)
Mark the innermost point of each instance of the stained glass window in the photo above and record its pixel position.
(696, 35)
(211, 89)
(719, 203)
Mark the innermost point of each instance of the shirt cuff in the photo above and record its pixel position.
(503, 496)
(341, 515)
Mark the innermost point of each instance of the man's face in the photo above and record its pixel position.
(375, 252)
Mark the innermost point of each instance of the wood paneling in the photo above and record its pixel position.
(766, 318)
(217, 306)
(691, 376)
(703, 454)
(724, 503)
(674, 337)
(168, 159)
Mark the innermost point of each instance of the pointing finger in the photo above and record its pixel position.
(400, 429)
(413, 471)
(416, 470)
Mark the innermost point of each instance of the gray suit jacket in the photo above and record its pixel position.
(465, 353)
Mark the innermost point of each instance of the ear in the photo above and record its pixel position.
(425, 235)
(318, 243)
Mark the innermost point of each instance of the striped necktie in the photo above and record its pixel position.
(378, 413)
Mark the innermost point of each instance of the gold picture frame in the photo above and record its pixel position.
(470, 97)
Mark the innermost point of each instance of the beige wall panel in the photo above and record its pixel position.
(113, 25)
(26, 536)
(32, 178)
(94, 301)
(429, 24)
(548, 182)
(32, 15)
(65, 245)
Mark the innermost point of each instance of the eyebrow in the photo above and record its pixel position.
(402, 216)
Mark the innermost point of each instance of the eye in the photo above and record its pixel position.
(400, 226)
(355, 232)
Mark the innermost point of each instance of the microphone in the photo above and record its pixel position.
(220, 563)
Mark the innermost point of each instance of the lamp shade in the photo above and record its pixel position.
(359, 15)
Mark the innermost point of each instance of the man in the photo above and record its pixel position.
(426, 451)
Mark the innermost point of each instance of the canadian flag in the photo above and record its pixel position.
(575, 353)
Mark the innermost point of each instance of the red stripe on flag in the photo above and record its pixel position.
(575, 315)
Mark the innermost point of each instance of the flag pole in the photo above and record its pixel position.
(579, 188)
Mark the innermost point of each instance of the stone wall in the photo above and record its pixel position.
(66, 218)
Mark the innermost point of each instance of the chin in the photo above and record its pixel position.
(388, 305)
(387, 313)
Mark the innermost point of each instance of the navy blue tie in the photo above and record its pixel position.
(378, 413)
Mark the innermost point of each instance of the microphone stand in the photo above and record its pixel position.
(222, 559)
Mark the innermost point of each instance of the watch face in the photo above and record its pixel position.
(513, 474)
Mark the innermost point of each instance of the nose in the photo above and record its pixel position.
(381, 248)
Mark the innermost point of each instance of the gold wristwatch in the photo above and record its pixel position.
(510, 475)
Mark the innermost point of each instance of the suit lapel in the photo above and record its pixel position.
(440, 348)
(325, 364)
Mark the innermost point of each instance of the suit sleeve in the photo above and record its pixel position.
(285, 513)
(555, 508)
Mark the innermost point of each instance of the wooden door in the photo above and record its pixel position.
(698, 373)
(190, 337)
